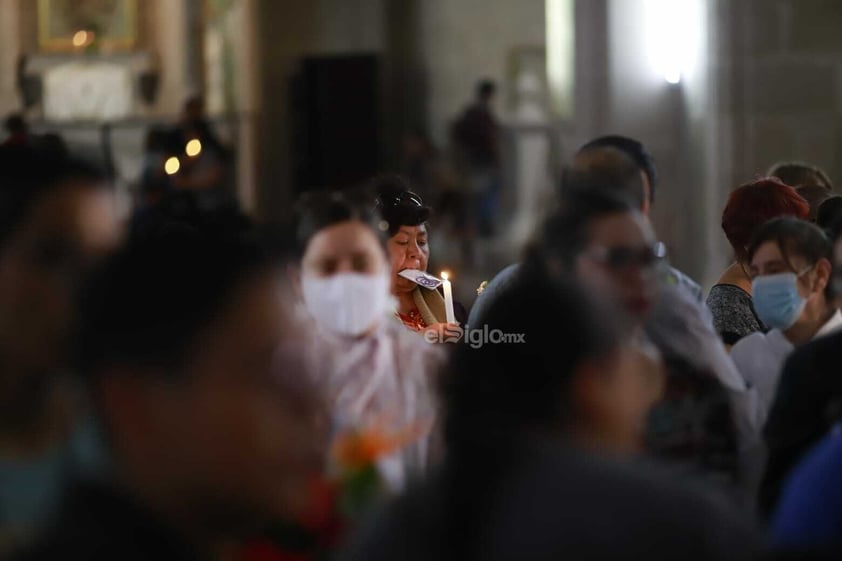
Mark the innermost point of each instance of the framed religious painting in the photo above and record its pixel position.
(70, 25)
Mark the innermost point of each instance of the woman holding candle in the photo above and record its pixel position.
(405, 219)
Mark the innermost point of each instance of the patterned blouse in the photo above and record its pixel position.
(733, 313)
(413, 320)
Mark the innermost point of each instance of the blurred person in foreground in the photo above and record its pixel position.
(619, 164)
(666, 312)
(609, 246)
(536, 431)
(807, 524)
(58, 217)
(192, 358)
(612, 154)
(375, 376)
(808, 402)
(749, 206)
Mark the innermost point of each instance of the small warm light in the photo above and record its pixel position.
(83, 38)
(193, 148)
(172, 165)
(80, 38)
(444, 275)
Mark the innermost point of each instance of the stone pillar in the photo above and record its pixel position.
(248, 64)
(9, 52)
(169, 37)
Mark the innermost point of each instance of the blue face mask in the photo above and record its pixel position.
(777, 301)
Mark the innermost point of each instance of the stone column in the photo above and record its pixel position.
(170, 38)
(9, 52)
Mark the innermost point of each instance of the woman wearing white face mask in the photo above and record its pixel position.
(375, 375)
(790, 264)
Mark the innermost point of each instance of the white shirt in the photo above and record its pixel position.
(382, 381)
(760, 359)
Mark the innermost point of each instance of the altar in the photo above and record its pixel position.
(90, 87)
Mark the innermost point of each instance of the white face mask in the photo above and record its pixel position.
(346, 303)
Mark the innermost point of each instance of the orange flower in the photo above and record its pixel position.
(358, 449)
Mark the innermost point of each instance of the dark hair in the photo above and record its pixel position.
(796, 237)
(815, 195)
(147, 303)
(800, 173)
(196, 101)
(751, 205)
(15, 123)
(495, 392)
(317, 210)
(397, 204)
(635, 150)
(606, 168)
(28, 174)
(565, 233)
(829, 215)
(486, 88)
(180, 209)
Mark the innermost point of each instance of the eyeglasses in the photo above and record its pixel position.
(624, 258)
(400, 198)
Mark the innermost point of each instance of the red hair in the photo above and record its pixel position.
(751, 205)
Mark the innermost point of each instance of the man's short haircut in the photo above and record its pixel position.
(606, 168)
(635, 150)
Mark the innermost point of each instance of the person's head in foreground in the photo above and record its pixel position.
(57, 217)
(790, 265)
(190, 354)
(606, 243)
(563, 370)
(345, 275)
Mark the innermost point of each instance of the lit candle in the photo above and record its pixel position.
(448, 298)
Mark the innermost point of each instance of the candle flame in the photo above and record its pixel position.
(444, 275)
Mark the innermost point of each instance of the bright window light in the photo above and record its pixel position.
(674, 33)
(560, 17)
